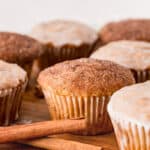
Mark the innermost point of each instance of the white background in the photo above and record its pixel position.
(21, 15)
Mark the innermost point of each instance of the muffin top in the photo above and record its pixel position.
(17, 48)
(63, 32)
(131, 54)
(85, 77)
(11, 75)
(131, 29)
(132, 103)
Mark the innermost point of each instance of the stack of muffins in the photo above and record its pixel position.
(22, 50)
(83, 87)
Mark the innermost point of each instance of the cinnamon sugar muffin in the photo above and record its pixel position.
(129, 109)
(65, 39)
(131, 29)
(20, 49)
(81, 89)
(13, 80)
(134, 55)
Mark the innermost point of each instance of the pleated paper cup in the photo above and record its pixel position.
(141, 76)
(67, 52)
(92, 108)
(131, 136)
(10, 103)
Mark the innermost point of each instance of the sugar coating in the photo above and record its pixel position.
(11, 75)
(18, 48)
(61, 32)
(131, 54)
(132, 104)
(129, 29)
(85, 77)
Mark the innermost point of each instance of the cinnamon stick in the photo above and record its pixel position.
(40, 129)
(59, 144)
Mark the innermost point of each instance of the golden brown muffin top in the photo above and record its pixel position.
(132, 104)
(131, 54)
(19, 48)
(63, 32)
(131, 29)
(85, 77)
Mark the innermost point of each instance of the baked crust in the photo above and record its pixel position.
(17, 48)
(85, 77)
(131, 29)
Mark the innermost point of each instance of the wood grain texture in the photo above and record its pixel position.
(35, 110)
(55, 143)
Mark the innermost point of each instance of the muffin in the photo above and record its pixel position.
(131, 29)
(13, 80)
(129, 109)
(65, 40)
(134, 55)
(81, 89)
(19, 49)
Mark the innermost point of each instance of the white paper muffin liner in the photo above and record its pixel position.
(93, 109)
(141, 76)
(131, 136)
(10, 103)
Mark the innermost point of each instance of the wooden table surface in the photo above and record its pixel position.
(35, 110)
